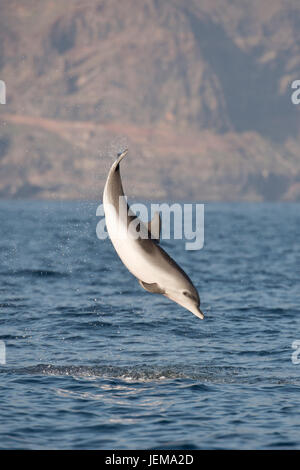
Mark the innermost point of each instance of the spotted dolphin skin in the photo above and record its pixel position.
(155, 270)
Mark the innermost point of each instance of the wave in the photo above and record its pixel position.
(143, 373)
(35, 273)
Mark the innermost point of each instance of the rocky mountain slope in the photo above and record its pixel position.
(200, 92)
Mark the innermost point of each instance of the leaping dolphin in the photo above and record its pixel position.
(155, 270)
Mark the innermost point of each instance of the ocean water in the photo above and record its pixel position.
(95, 362)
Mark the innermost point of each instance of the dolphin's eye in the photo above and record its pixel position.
(189, 295)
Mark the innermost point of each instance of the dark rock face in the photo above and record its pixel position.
(4, 145)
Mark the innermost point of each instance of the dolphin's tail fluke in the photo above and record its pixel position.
(120, 157)
(115, 165)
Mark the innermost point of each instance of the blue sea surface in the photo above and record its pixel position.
(95, 362)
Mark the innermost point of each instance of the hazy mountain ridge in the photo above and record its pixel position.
(199, 91)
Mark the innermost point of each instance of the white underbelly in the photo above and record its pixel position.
(137, 261)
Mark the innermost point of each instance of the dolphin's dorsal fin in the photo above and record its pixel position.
(154, 227)
(154, 288)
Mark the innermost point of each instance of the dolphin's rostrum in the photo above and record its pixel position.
(155, 270)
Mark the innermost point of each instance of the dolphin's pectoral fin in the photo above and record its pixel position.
(154, 227)
(154, 288)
